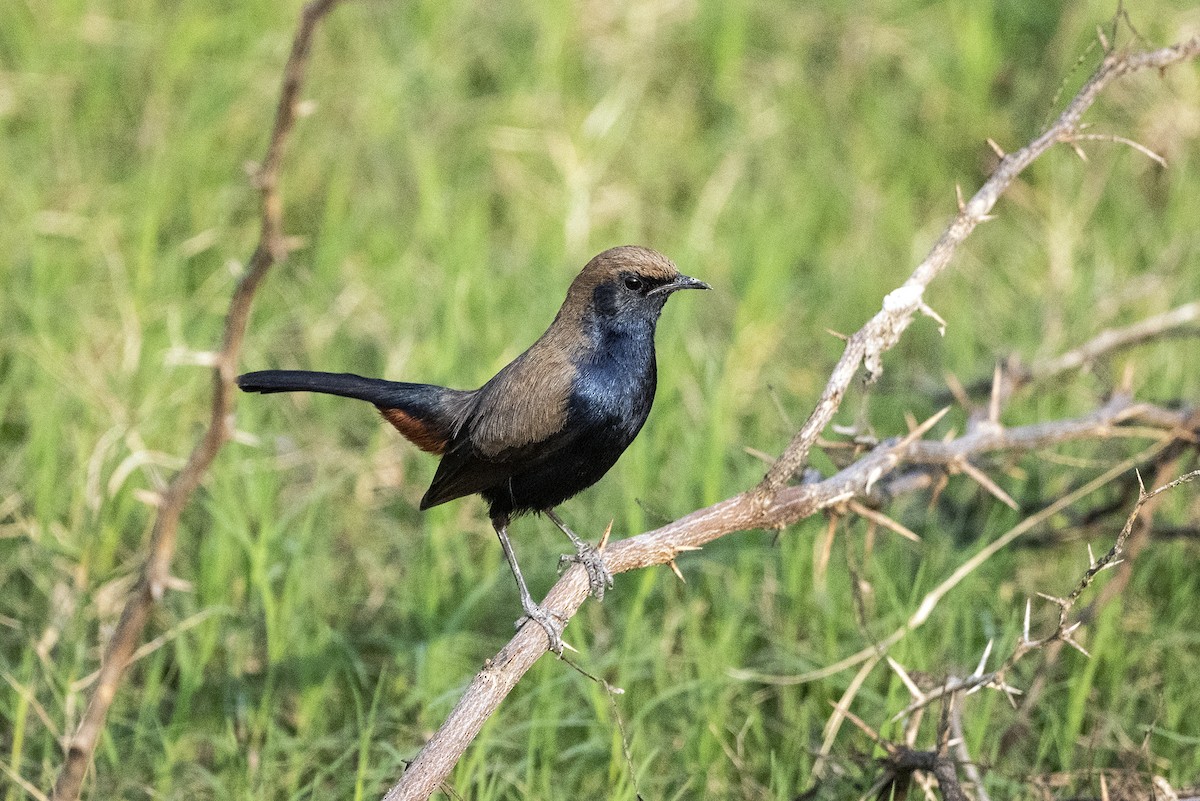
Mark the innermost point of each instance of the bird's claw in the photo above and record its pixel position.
(550, 621)
(592, 559)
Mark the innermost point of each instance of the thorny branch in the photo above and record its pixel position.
(1064, 630)
(869, 657)
(773, 503)
(739, 513)
(1178, 322)
(155, 577)
(902, 760)
(900, 306)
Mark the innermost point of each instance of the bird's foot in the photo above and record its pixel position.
(592, 559)
(552, 622)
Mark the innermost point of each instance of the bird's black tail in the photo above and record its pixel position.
(424, 413)
(348, 385)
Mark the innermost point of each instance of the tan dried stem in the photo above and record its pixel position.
(155, 575)
(1181, 320)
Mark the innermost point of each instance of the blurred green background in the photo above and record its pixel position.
(457, 164)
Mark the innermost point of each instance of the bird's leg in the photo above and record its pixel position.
(544, 617)
(586, 554)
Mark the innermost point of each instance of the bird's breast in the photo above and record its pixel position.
(614, 386)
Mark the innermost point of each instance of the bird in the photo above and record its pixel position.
(550, 424)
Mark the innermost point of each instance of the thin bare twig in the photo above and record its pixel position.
(155, 575)
(1178, 322)
(1065, 628)
(959, 738)
(1147, 152)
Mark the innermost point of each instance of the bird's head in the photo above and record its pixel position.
(628, 285)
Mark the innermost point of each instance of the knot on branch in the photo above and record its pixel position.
(885, 329)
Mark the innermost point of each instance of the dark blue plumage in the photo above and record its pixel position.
(549, 424)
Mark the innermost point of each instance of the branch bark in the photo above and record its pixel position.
(272, 247)
(1182, 321)
(773, 503)
(901, 305)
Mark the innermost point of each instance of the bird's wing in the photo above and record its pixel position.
(517, 419)
(524, 404)
(465, 471)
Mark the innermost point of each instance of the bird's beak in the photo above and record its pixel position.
(681, 282)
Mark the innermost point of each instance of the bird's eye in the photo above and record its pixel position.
(633, 283)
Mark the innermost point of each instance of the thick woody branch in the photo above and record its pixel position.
(900, 306)
(774, 504)
(741, 513)
(155, 574)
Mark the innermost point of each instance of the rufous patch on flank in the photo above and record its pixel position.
(415, 431)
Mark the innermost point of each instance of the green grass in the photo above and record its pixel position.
(460, 163)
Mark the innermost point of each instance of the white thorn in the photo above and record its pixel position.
(928, 311)
(983, 660)
(874, 475)
(1077, 647)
